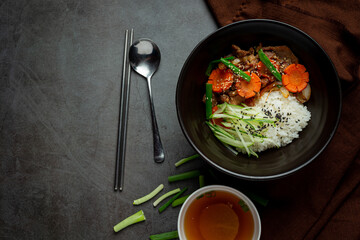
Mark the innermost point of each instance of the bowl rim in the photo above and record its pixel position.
(242, 196)
(265, 177)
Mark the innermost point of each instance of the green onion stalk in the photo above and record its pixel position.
(165, 236)
(185, 160)
(168, 194)
(168, 203)
(179, 201)
(185, 175)
(135, 218)
(149, 196)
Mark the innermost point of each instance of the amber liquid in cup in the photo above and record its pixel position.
(218, 215)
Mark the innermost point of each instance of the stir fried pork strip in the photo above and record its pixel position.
(247, 59)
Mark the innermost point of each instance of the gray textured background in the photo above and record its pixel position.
(60, 64)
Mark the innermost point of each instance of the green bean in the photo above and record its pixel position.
(235, 69)
(269, 64)
(208, 100)
(211, 65)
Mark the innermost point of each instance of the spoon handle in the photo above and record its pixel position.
(159, 155)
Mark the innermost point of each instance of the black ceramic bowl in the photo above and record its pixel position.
(324, 105)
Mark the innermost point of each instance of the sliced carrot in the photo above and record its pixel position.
(248, 89)
(221, 79)
(295, 78)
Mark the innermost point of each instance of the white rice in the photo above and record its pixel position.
(294, 118)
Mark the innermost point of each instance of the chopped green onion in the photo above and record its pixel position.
(185, 160)
(208, 100)
(212, 63)
(172, 192)
(269, 65)
(201, 181)
(235, 69)
(149, 196)
(165, 236)
(179, 201)
(168, 203)
(135, 218)
(183, 176)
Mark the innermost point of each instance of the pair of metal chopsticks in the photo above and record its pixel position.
(123, 113)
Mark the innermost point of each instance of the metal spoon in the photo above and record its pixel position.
(144, 57)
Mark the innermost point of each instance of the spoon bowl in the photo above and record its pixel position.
(144, 58)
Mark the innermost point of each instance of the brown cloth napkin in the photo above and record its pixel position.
(322, 201)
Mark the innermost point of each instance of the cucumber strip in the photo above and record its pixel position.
(234, 143)
(231, 142)
(218, 110)
(219, 134)
(222, 107)
(248, 123)
(253, 134)
(242, 111)
(248, 134)
(242, 126)
(233, 106)
(225, 115)
(221, 130)
(253, 153)
(231, 149)
(258, 138)
(227, 124)
(263, 120)
(242, 140)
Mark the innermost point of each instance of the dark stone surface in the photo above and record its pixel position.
(60, 64)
